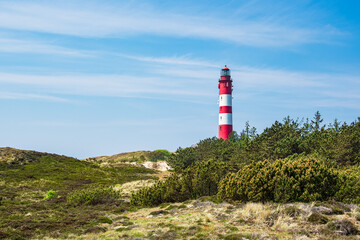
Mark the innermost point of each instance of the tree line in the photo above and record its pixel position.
(291, 160)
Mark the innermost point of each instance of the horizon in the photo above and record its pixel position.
(96, 78)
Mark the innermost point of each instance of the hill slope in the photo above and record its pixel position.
(26, 176)
(137, 156)
(17, 156)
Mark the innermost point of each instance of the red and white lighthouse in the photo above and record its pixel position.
(225, 104)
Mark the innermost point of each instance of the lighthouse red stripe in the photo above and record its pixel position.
(225, 109)
(225, 77)
(224, 131)
(225, 90)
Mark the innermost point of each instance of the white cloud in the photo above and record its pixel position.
(29, 46)
(198, 84)
(181, 60)
(13, 95)
(103, 85)
(119, 20)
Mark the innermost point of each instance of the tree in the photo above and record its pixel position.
(315, 124)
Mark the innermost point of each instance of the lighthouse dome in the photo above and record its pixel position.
(225, 71)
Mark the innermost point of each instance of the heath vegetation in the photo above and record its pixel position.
(298, 179)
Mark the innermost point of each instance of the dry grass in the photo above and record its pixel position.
(207, 220)
(127, 188)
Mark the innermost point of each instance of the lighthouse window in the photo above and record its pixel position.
(220, 127)
(225, 72)
(220, 108)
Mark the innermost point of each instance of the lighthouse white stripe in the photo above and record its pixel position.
(225, 100)
(225, 119)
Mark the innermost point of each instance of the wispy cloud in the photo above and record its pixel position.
(103, 85)
(179, 60)
(185, 82)
(29, 96)
(29, 46)
(119, 20)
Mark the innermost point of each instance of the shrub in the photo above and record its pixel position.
(93, 196)
(200, 179)
(349, 186)
(160, 154)
(304, 179)
(182, 158)
(50, 194)
(161, 192)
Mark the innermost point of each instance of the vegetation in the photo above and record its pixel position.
(292, 162)
(94, 196)
(200, 179)
(50, 194)
(208, 220)
(138, 156)
(338, 143)
(349, 185)
(304, 179)
(24, 213)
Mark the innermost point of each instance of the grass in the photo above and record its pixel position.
(138, 156)
(33, 194)
(33, 204)
(245, 221)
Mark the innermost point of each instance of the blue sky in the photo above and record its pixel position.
(89, 78)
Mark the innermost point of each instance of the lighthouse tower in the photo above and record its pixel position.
(225, 104)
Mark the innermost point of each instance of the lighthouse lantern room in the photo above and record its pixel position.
(225, 104)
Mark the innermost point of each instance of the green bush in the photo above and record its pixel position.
(349, 186)
(200, 179)
(94, 196)
(50, 194)
(159, 155)
(182, 158)
(304, 179)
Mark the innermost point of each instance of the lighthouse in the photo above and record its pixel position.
(225, 103)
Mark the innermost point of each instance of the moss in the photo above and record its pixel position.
(234, 237)
(105, 220)
(232, 228)
(292, 211)
(337, 207)
(124, 206)
(96, 229)
(171, 207)
(122, 229)
(182, 206)
(127, 223)
(213, 199)
(317, 218)
(137, 234)
(156, 213)
(343, 227)
(201, 235)
(164, 205)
